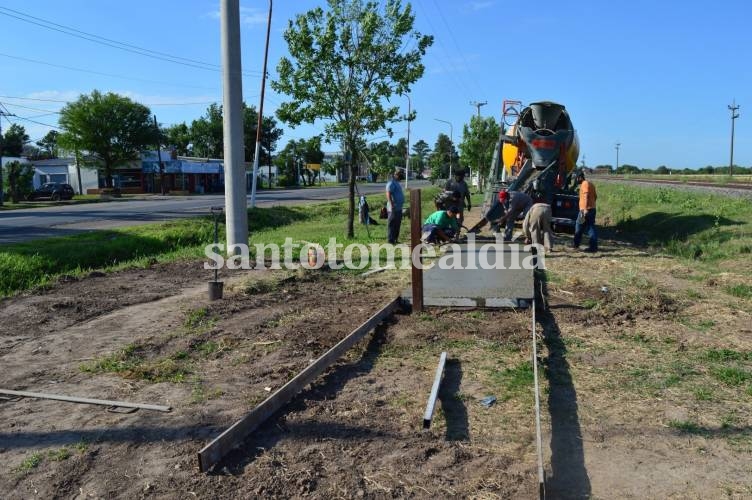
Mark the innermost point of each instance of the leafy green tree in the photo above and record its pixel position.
(20, 177)
(628, 169)
(477, 148)
(48, 144)
(14, 140)
(421, 150)
(270, 134)
(111, 128)
(178, 136)
(344, 65)
(439, 160)
(207, 133)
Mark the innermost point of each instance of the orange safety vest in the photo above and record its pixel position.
(587, 195)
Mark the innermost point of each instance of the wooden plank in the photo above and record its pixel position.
(428, 416)
(88, 401)
(415, 233)
(213, 452)
(538, 437)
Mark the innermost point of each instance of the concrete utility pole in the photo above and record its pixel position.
(159, 157)
(451, 143)
(734, 115)
(478, 105)
(232, 104)
(407, 149)
(618, 145)
(2, 141)
(261, 113)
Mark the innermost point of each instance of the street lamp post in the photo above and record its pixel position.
(618, 145)
(451, 143)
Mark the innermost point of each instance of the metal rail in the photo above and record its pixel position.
(538, 440)
(428, 416)
(88, 401)
(234, 436)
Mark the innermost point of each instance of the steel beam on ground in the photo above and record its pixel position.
(87, 401)
(213, 452)
(428, 416)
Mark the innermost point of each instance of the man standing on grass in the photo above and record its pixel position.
(395, 198)
(586, 217)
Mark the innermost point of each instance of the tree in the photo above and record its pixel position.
(344, 66)
(439, 159)
(178, 136)
(207, 133)
(477, 147)
(48, 144)
(270, 134)
(628, 169)
(421, 150)
(111, 128)
(20, 177)
(14, 140)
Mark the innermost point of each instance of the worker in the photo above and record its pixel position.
(458, 185)
(441, 226)
(395, 198)
(586, 217)
(519, 204)
(537, 226)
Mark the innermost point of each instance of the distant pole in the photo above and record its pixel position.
(734, 115)
(159, 157)
(232, 105)
(478, 105)
(78, 174)
(451, 143)
(2, 140)
(261, 111)
(407, 149)
(618, 145)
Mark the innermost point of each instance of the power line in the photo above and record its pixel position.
(478, 105)
(111, 75)
(27, 18)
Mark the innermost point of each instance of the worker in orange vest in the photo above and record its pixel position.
(586, 217)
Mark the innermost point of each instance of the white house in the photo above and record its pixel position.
(63, 170)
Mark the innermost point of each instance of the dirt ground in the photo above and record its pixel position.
(636, 401)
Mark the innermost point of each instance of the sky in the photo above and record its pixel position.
(656, 77)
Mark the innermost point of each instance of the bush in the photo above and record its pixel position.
(285, 181)
(20, 177)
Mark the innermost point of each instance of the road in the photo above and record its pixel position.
(29, 224)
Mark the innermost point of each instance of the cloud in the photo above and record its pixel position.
(251, 16)
(482, 4)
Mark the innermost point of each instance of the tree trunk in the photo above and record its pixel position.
(351, 199)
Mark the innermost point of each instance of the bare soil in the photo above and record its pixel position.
(638, 391)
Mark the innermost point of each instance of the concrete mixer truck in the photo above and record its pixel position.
(536, 153)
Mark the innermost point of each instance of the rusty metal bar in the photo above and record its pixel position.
(88, 401)
(428, 416)
(213, 452)
(415, 231)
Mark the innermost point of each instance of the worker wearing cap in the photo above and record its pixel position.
(441, 226)
(537, 226)
(519, 204)
(395, 198)
(586, 218)
(458, 185)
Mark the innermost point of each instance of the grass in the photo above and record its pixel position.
(685, 426)
(28, 265)
(741, 291)
(131, 362)
(30, 462)
(690, 225)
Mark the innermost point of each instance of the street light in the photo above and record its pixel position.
(618, 145)
(451, 143)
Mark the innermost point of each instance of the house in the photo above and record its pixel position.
(64, 171)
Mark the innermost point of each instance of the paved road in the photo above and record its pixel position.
(29, 224)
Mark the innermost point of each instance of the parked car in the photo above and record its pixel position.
(52, 190)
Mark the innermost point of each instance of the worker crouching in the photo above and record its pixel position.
(537, 226)
(441, 226)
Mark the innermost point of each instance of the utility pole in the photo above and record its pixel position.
(159, 157)
(478, 105)
(232, 104)
(407, 148)
(261, 113)
(451, 143)
(618, 145)
(734, 115)
(2, 144)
